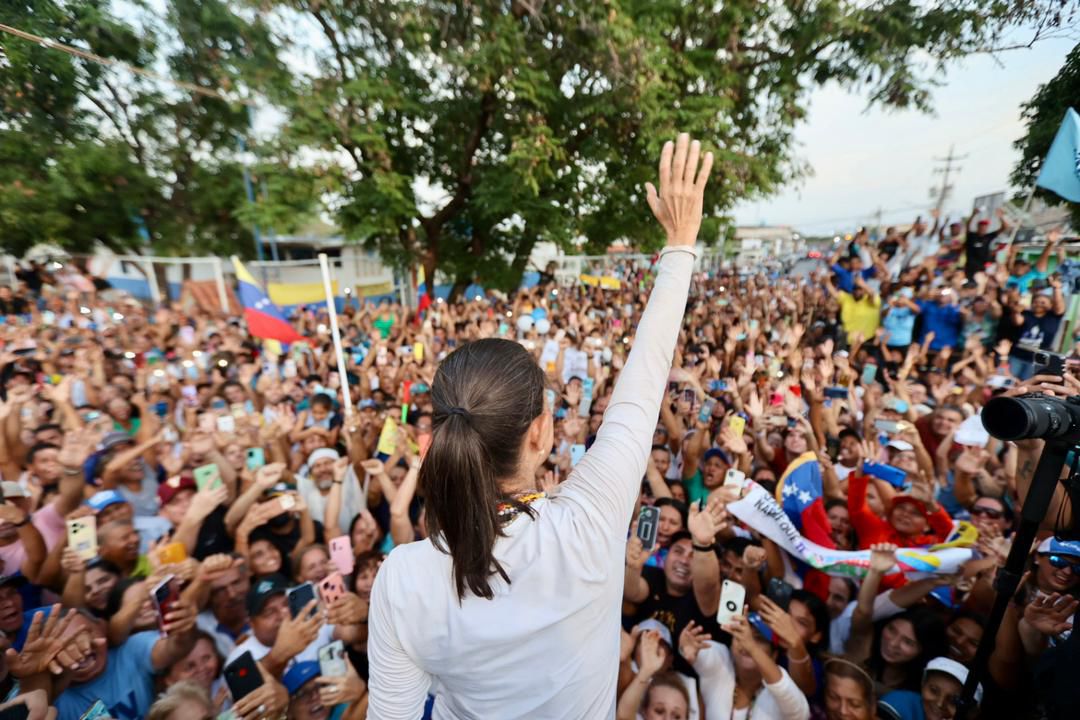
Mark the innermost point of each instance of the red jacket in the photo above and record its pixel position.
(871, 529)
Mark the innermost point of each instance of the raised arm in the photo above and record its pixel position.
(607, 480)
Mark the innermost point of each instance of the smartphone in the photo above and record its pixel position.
(705, 414)
(82, 536)
(21, 711)
(672, 388)
(300, 596)
(549, 400)
(242, 676)
(737, 423)
(332, 660)
(1049, 363)
(331, 588)
(226, 424)
(187, 335)
(887, 426)
(172, 554)
(97, 711)
(206, 423)
(418, 352)
(586, 397)
(869, 373)
(717, 386)
(732, 598)
(207, 477)
(287, 502)
(836, 393)
(734, 478)
(577, 451)
(164, 595)
(648, 527)
(892, 475)
(190, 393)
(832, 448)
(341, 552)
(779, 592)
(256, 458)
(161, 409)
(688, 395)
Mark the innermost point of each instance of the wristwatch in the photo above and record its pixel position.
(702, 548)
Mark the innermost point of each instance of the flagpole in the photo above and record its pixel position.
(324, 265)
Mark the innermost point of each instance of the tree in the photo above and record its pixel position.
(458, 133)
(94, 153)
(1043, 115)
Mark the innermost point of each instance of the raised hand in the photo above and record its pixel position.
(679, 202)
(1050, 614)
(692, 640)
(705, 524)
(882, 557)
(781, 622)
(636, 555)
(652, 653)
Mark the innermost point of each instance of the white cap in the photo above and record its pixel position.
(653, 624)
(953, 669)
(13, 490)
(901, 445)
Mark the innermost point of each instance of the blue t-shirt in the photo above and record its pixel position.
(901, 705)
(899, 322)
(845, 279)
(1023, 282)
(126, 686)
(945, 321)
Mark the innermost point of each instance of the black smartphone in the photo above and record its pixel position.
(1049, 363)
(837, 393)
(648, 526)
(300, 596)
(15, 712)
(832, 448)
(779, 592)
(689, 395)
(243, 676)
(672, 387)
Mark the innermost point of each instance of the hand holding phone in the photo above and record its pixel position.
(299, 596)
(82, 536)
(648, 527)
(331, 588)
(242, 676)
(332, 660)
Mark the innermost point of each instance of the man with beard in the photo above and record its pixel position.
(226, 619)
(324, 471)
(123, 677)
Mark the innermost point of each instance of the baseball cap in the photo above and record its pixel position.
(654, 624)
(901, 445)
(299, 675)
(1053, 546)
(952, 669)
(322, 454)
(16, 580)
(115, 439)
(14, 490)
(912, 500)
(367, 403)
(716, 452)
(266, 588)
(104, 498)
(173, 486)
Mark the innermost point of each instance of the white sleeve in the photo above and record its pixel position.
(397, 688)
(608, 479)
(884, 607)
(789, 698)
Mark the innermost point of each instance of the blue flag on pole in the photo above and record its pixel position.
(1061, 168)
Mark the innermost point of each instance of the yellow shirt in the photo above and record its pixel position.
(862, 316)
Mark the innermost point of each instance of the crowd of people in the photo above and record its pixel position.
(186, 513)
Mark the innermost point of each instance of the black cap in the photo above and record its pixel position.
(263, 589)
(17, 580)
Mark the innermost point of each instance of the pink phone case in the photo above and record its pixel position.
(342, 555)
(331, 588)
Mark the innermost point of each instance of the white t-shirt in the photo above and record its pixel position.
(310, 653)
(352, 499)
(575, 364)
(547, 645)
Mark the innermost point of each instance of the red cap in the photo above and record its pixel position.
(914, 501)
(168, 490)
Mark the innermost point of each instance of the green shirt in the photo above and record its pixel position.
(383, 325)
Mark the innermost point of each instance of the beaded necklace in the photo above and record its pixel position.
(508, 510)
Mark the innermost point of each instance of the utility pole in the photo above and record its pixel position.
(949, 167)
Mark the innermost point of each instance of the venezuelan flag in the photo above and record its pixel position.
(265, 320)
(423, 300)
(800, 493)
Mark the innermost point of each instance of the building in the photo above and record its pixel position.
(756, 244)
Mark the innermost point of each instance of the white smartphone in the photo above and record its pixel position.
(332, 660)
(732, 598)
(734, 478)
(226, 424)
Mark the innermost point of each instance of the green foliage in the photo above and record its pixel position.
(1043, 115)
(460, 133)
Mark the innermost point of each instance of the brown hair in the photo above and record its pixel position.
(485, 396)
(669, 680)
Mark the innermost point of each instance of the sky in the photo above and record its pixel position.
(864, 160)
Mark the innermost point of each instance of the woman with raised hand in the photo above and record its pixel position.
(511, 608)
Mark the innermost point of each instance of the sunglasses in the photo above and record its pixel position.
(991, 513)
(1060, 562)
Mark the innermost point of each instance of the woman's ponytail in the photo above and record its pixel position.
(485, 396)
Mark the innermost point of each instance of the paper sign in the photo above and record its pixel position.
(388, 437)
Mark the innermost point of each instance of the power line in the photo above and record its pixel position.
(100, 60)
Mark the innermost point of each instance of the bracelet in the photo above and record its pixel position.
(668, 250)
(702, 548)
(799, 662)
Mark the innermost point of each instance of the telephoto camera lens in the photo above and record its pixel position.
(1034, 416)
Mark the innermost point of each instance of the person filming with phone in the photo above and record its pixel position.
(516, 586)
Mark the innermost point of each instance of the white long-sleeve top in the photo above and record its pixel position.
(716, 674)
(547, 644)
